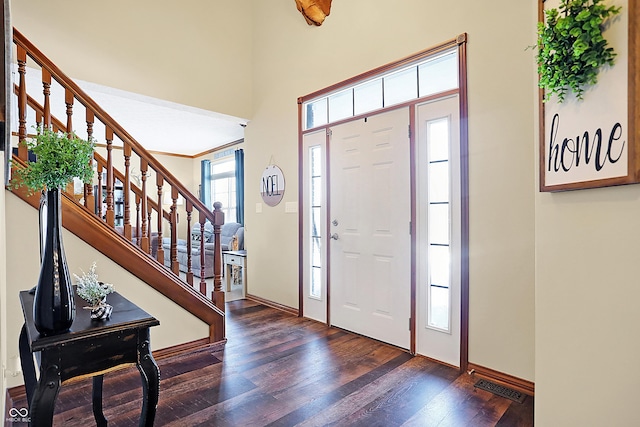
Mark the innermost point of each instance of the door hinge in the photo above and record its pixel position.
(410, 228)
(329, 133)
(409, 130)
(409, 323)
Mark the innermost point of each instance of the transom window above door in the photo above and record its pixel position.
(435, 74)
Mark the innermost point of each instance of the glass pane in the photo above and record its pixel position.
(316, 191)
(221, 185)
(439, 223)
(316, 256)
(401, 86)
(341, 105)
(439, 265)
(316, 161)
(316, 221)
(438, 139)
(316, 282)
(229, 166)
(316, 113)
(438, 307)
(368, 96)
(232, 199)
(439, 74)
(439, 182)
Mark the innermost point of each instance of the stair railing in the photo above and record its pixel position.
(151, 220)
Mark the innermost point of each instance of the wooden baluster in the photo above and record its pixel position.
(138, 235)
(38, 119)
(46, 90)
(109, 199)
(160, 251)
(68, 100)
(23, 152)
(203, 283)
(149, 215)
(89, 199)
(144, 239)
(175, 266)
(100, 196)
(189, 209)
(127, 191)
(217, 295)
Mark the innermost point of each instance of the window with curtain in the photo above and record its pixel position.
(223, 187)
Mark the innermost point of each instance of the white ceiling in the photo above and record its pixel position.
(158, 125)
(166, 126)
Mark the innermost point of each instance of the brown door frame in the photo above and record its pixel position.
(460, 42)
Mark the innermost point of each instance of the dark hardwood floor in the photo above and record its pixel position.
(280, 370)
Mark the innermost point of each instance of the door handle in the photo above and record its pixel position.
(334, 236)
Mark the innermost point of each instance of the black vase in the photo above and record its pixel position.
(53, 305)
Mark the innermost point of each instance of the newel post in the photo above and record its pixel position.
(218, 221)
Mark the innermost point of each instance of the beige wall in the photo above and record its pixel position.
(198, 55)
(587, 312)
(587, 264)
(4, 365)
(292, 59)
(176, 325)
(583, 242)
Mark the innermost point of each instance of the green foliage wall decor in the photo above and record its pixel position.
(571, 48)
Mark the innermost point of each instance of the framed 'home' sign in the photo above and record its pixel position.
(594, 142)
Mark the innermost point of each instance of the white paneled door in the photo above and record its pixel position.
(369, 227)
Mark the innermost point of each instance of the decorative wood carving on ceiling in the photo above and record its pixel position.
(314, 11)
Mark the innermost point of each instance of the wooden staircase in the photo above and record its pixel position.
(144, 222)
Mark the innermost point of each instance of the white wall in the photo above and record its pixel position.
(292, 59)
(176, 325)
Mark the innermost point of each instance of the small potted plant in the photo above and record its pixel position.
(95, 293)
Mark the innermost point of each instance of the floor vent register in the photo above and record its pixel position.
(500, 390)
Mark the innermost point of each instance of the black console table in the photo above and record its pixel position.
(89, 348)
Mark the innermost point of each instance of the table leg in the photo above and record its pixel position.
(44, 397)
(150, 375)
(101, 421)
(228, 273)
(244, 278)
(26, 362)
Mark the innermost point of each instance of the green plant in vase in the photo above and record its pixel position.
(571, 47)
(60, 157)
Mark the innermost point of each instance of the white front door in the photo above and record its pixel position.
(369, 213)
(439, 230)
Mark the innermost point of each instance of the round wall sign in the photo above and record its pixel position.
(272, 185)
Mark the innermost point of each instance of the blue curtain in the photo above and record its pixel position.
(205, 183)
(239, 186)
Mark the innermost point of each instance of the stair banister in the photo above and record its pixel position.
(145, 205)
(89, 103)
